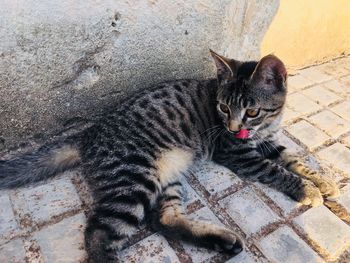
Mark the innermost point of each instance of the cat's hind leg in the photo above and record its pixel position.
(121, 207)
(173, 222)
(108, 229)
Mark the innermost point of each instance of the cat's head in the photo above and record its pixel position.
(250, 95)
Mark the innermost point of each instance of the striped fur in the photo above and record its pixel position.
(133, 156)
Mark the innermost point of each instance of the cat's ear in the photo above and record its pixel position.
(269, 73)
(226, 68)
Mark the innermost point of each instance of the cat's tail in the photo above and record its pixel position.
(39, 165)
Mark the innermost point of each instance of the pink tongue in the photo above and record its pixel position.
(242, 134)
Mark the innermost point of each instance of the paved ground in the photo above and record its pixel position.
(45, 223)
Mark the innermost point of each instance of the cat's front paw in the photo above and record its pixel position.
(327, 187)
(309, 194)
(223, 240)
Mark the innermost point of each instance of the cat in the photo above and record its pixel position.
(133, 156)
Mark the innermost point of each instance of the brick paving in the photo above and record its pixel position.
(45, 223)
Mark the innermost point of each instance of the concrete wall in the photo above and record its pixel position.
(60, 59)
(306, 32)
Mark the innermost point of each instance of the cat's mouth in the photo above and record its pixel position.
(242, 134)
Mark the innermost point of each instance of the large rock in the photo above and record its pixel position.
(60, 59)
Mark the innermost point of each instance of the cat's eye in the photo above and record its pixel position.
(224, 108)
(251, 113)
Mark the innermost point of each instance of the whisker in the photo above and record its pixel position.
(211, 128)
(221, 132)
(212, 134)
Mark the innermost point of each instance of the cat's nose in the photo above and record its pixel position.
(234, 126)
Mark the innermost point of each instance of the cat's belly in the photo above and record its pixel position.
(172, 163)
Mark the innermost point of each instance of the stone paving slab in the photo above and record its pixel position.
(248, 210)
(283, 245)
(315, 75)
(338, 87)
(216, 179)
(302, 104)
(189, 196)
(43, 202)
(245, 257)
(343, 110)
(8, 223)
(325, 229)
(346, 79)
(299, 82)
(344, 199)
(45, 223)
(330, 123)
(286, 204)
(289, 115)
(63, 242)
(152, 249)
(13, 252)
(321, 95)
(346, 141)
(308, 134)
(333, 69)
(338, 155)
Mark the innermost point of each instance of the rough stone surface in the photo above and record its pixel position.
(338, 155)
(307, 134)
(64, 241)
(248, 210)
(315, 75)
(245, 257)
(289, 115)
(346, 140)
(45, 201)
(343, 110)
(284, 202)
(64, 59)
(12, 252)
(334, 69)
(283, 245)
(337, 87)
(302, 104)
(330, 123)
(346, 79)
(344, 199)
(154, 248)
(292, 146)
(324, 228)
(8, 224)
(189, 195)
(321, 95)
(215, 178)
(299, 82)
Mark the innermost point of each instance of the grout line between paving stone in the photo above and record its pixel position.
(268, 201)
(331, 60)
(343, 258)
(179, 251)
(31, 247)
(322, 253)
(339, 210)
(28, 226)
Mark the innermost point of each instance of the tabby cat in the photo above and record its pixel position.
(134, 156)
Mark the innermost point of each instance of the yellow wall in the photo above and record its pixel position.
(306, 32)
